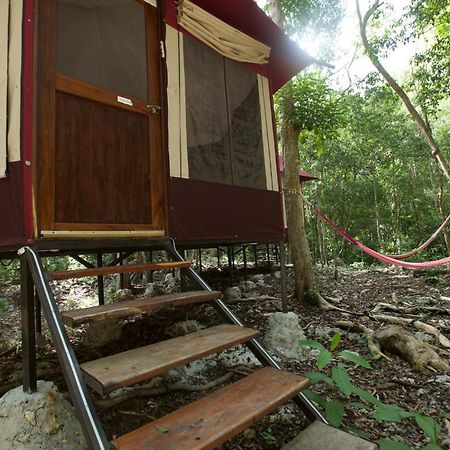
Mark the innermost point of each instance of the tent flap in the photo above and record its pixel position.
(220, 36)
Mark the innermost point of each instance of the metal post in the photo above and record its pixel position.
(37, 304)
(28, 327)
(283, 279)
(244, 259)
(183, 283)
(100, 283)
(255, 253)
(230, 264)
(151, 272)
(200, 260)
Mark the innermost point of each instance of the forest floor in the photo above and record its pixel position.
(358, 291)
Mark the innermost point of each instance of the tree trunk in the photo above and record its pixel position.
(298, 243)
(424, 128)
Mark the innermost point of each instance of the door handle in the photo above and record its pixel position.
(154, 109)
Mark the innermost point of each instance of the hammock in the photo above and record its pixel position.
(425, 244)
(383, 258)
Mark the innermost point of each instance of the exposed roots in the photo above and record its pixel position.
(373, 346)
(418, 354)
(315, 298)
(158, 387)
(429, 329)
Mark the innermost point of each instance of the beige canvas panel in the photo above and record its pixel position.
(270, 154)
(14, 82)
(176, 99)
(4, 20)
(151, 2)
(220, 36)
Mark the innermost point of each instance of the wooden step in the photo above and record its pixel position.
(319, 436)
(134, 366)
(212, 420)
(131, 307)
(109, 270)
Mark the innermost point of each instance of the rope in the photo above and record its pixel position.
(383, 258)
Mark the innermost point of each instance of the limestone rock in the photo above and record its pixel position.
(247, 286)
(42, 420)
(102, 333)
(122, 295)
(232, 293)
(258, 278)
(283, 335)
(152, 290)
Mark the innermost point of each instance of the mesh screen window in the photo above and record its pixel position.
(224, 131)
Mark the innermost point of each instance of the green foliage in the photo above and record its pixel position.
(340, 381)
(3, 306)
(309, 104)
(268, 437)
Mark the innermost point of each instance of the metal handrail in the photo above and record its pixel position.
(93, 431)
(254, 345)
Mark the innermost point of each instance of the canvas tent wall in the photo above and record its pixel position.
(227, 195)
(15, 122)
(222, 71)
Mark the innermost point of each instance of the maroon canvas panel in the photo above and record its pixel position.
(11, 207)
(286, 57)
(201, 210)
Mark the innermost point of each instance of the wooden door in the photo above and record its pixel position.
(101, 163)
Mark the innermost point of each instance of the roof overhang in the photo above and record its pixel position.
(286, 57)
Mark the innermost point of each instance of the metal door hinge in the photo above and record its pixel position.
(163, 50)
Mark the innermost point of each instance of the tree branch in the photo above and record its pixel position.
(426, 131)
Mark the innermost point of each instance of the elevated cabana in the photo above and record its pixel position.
(138, 119)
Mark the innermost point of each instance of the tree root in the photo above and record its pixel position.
(315, 298)
(373, 346)
(157, 387)
(418, 354)
(408, 309)
(429, 329)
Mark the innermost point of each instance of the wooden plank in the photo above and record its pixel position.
(109, 270)
(319, 436)
(212, 420)
(132, 307)
(137, 365)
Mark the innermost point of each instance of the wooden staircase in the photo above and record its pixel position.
(203, 424)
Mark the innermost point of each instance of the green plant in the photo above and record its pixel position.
(339, 380)
(3, 305)
(268, 437)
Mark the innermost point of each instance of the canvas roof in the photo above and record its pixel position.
(286, 58)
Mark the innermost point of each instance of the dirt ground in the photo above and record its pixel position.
(356, 290)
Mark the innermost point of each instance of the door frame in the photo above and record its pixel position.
(48, 83)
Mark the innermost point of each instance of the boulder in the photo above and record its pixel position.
(41, 420)
(283, 335)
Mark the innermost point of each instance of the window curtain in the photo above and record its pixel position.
(220, 36)
(10, 81)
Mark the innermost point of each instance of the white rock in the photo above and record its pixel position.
(152, 290)
(232, 293)
(284, 334)
(247, 286)
(122, 295)
(42, 420)
(102, 333)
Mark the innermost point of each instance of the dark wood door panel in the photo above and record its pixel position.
(102, 163)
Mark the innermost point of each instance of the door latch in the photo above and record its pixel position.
(154, 109)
